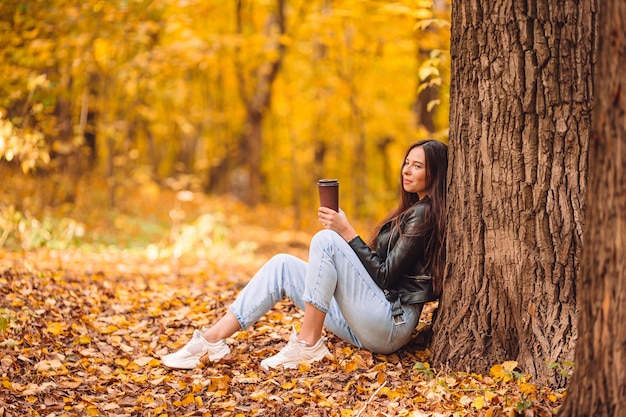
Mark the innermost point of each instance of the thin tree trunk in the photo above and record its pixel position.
(253, 137)
(360, 154)
(598, 387)
(257, 103)
(519, 122)
(424, 116)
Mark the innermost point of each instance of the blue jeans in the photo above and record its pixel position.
(336, 282)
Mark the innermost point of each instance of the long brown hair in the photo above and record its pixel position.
(436, 161)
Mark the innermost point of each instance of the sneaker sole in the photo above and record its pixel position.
(294, 365)
(188, 364)
(192, 363)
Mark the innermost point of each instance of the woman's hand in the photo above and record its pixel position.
(338, 222)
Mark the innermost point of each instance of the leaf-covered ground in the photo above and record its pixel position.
(82, 331)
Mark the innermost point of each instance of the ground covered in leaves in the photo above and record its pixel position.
(82, 331)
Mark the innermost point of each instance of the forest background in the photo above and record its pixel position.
(219, 98)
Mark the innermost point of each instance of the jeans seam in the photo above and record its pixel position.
(314, 291)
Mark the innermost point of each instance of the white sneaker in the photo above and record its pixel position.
(294, 352)
(189, 356)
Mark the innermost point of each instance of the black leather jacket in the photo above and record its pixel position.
(398, 265)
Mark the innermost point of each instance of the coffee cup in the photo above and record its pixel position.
(329, 193)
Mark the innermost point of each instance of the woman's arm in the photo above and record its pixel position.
(403, 255)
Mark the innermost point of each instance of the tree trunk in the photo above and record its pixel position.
(598, 387)
(519, 125)
(257, 103)
(253, 138)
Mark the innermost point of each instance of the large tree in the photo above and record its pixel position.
(598, 387)
(521, 94)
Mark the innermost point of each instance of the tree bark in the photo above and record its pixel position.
(598, 386)
(519, 125)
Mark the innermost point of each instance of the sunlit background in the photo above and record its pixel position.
(108, 106)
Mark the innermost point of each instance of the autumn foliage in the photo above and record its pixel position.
(248, 97)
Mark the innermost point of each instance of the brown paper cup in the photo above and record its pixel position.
(329, 193)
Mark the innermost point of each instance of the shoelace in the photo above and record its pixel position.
(193, 344)
(294, 347)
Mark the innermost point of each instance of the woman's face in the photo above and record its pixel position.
(414, 173)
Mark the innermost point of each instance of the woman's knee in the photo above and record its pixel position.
(279, 258)
(322, 238)
(285, 267)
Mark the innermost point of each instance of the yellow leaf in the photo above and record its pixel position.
(526, 388)
(56, 328)
(109, 329)
(479, 402)
(145, 399)
(304, 367)
(391, 394)
(123, 362)
(83, 340)
(500, 373)
(350, 366)
(381, 377)
(256, 396)
(288, 385)
(219, 383)
(276, 317)
(496, 371)
(198, 401)
(133, 367)
(188, 400)
(324, 403)
(427, 71)
(356, 363)
(143, 361)
(510, 365)
(139, 378)
(92, 411)
(477, 377)
(489, 395)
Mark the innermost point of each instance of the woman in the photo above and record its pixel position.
(370, 296)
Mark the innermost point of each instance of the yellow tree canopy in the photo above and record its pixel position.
(158, 85)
